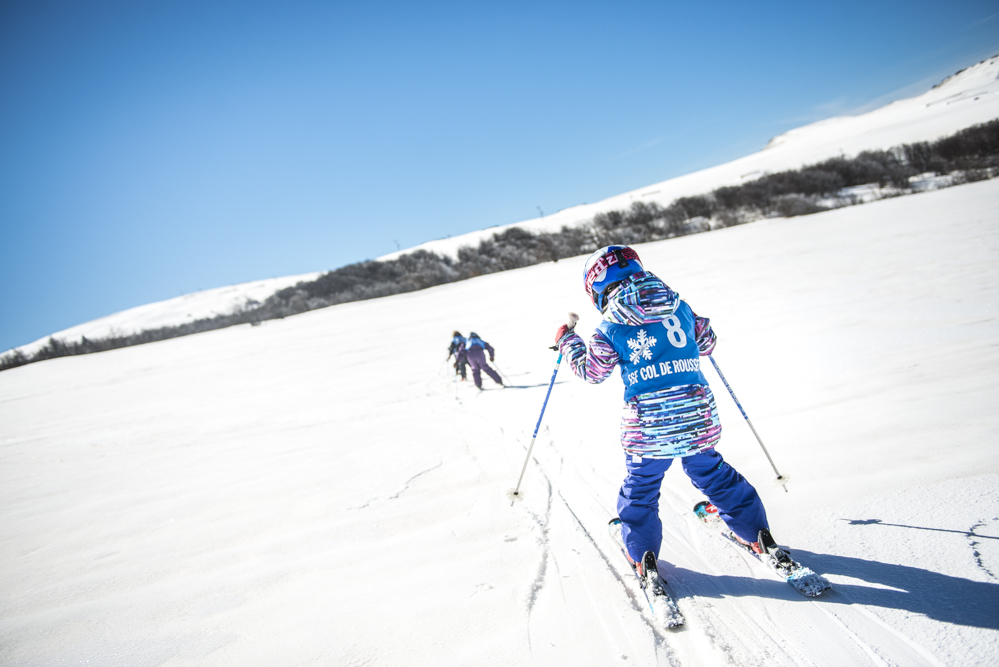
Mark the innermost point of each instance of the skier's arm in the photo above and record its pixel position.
(704, 334)
(594, 364)
(491, 351)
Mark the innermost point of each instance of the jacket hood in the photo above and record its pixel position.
(641, 299)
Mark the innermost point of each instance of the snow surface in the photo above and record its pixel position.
(967, 98)
(318, 490)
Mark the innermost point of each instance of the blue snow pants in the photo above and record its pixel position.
(638, 501)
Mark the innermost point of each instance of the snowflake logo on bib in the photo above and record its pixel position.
(641, 346)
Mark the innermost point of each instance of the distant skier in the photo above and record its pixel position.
(458, 350)
(669, 410)
(476, 351)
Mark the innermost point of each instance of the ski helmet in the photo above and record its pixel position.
(606, 267)
(473, 335)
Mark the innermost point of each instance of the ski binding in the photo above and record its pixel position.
(661, 603)
(778, 560)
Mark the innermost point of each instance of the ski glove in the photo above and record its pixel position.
(562, 332)
(565, 329)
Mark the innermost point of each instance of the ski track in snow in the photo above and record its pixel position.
(974, 544)
(409, 481)
(752, 633)
(778, 627)
(397, 494)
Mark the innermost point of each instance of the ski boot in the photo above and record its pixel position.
(648, 573)
(780, 560)
(752, 546)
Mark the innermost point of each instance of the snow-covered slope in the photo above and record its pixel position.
(317, 490)
(967, 98)
(181, 309)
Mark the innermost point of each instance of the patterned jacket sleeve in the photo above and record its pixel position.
(705, 335)
(594, 364)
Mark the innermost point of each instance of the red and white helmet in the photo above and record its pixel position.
(606, 267)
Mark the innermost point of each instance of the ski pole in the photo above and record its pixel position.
(502, 374)
(573, 318)
(780, 478)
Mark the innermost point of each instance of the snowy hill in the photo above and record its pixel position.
(186, 308)
(967, 98)
(317, 490)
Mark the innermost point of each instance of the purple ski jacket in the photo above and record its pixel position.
(671, 422)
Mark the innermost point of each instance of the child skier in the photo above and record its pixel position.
(457, 348)
(669, 410)
(476, 352)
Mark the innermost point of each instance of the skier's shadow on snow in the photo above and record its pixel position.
(935, 595)
(970, 534)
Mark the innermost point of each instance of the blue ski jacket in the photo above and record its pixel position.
(657, 340)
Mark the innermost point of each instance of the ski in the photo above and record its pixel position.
(777, 560)
(661, 603)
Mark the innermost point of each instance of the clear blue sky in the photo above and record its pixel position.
(151, 149)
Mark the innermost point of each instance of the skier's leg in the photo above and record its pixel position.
(491, 373)
(738, 503)
(638, 505)
(477, 360)
(476, 372)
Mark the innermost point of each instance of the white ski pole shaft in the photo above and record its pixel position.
(502, 374)
(573, 318)
(780, 478)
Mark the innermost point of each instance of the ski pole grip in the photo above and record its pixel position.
(571, 323)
